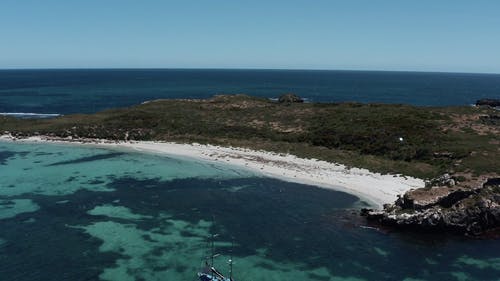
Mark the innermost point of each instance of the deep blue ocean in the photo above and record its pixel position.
(87, 91)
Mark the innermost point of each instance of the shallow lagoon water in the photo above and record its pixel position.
(80, 213)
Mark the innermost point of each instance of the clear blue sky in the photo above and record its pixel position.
(423, 35)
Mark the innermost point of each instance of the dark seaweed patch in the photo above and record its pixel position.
(95, 182)
(88, 159)
(318, 277)
(42, 153)
(70, 179)
(47, 249)
(6, 203)
(181, 268)
(147, 237)
(5, 155)
(265, 265)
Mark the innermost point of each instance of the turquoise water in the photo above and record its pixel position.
(74, 213)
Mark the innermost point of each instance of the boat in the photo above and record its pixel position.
(209, 272)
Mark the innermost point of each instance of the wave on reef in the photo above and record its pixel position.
(29, 115)
(306, 100)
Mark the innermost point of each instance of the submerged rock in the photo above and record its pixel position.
(471, 211)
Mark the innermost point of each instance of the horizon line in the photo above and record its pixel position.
(243, 68)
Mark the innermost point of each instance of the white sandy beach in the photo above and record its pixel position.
(374, 188)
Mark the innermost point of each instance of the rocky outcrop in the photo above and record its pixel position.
(488, 102)
(468, 211)
(490, 119)
(444, 180)
(290, 98)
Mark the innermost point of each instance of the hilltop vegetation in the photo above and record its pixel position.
(416, 141)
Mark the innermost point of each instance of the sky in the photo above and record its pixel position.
(424, 35)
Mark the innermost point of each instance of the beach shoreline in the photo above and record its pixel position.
(374, 188)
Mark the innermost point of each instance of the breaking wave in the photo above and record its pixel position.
(29, 115)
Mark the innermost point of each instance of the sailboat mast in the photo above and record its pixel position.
(212, 251)
(231, 261)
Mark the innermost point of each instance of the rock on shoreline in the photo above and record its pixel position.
(290, 98)
(468, 211)
(488, 102)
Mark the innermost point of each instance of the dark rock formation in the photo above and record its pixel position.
(444, 180)
(488, 102)
(491, 119)
(468, 211)
(290, 98)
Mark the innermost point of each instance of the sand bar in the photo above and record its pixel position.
(374, 188)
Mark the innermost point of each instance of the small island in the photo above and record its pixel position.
(430, 168)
